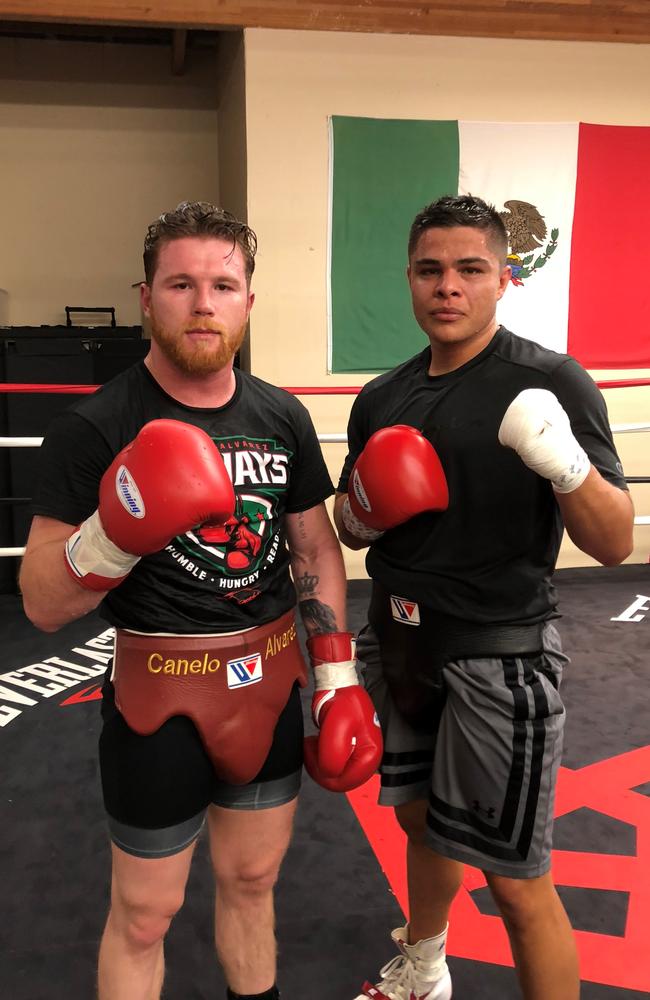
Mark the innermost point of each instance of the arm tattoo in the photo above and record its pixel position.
(302, 531)
(307, 584)
(317, 617)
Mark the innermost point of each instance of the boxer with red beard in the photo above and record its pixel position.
(202, 711)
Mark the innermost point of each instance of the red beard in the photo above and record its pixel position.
(196, 357)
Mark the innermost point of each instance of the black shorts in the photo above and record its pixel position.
(157, 788)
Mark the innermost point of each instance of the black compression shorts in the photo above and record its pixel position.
(157, 788)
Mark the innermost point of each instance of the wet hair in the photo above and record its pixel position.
(198, 218)
(461, 210)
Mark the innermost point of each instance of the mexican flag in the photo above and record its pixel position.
(574, 199)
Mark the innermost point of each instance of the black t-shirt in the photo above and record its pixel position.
(490, 556)
(215, 579)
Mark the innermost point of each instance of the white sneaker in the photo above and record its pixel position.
(419, 973)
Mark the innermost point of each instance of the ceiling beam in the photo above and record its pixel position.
(179, 51)
(579, 20)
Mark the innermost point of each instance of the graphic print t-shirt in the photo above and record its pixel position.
(217, 578)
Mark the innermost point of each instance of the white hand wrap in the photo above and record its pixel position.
(357, 527)
(335, 675)
(90, 550)
(537, 427)
(329, 678)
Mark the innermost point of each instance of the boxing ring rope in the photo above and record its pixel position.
(339, 390)
(310, 390)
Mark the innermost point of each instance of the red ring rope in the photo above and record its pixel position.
(333, 390)
(26, 387)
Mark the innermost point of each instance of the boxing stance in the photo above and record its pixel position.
(185, 499)
(465, 465)
(168, 480)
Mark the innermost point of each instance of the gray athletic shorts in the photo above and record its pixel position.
(488, 765)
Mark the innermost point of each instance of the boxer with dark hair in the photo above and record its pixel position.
(465, 465)
(185, 498)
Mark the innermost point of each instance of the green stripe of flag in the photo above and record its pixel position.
(384, 172)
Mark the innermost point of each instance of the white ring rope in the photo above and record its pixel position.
(17, 442)
(36, 442)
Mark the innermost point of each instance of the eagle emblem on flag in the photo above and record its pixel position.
(527, 232)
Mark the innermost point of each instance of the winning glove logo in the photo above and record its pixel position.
(128, 492)
(407, 612)
(245, 671)
(360, 493)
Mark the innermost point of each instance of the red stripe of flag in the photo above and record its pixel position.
(609, 302)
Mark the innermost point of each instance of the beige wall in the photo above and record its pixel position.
(95, 141)
(295, 80)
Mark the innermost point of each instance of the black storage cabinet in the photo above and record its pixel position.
(47, 355)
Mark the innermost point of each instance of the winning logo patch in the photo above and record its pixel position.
(128, 492)
(404, 611)
(247, 670)
(360, 493)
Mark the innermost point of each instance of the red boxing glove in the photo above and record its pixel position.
(348, 748)
(397, 475)
(169, 479)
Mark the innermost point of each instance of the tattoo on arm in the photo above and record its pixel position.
(307, 584)
(317, 617)
(302, 531)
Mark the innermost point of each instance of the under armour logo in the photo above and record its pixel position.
(488, 813)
